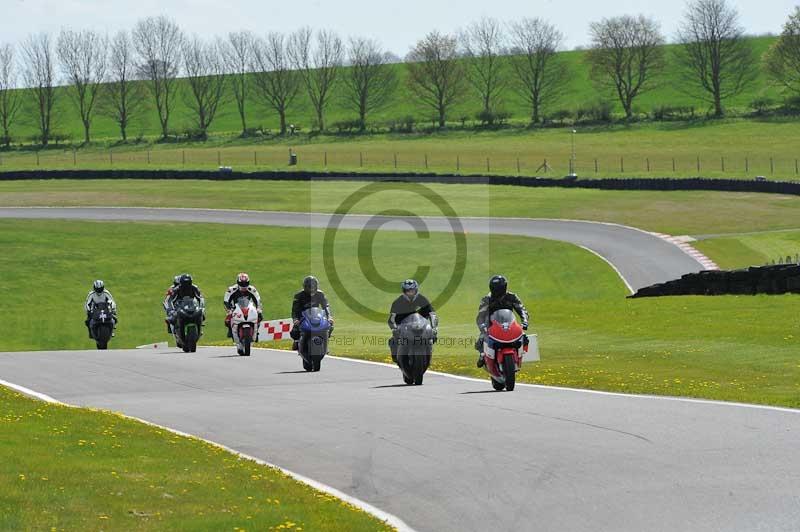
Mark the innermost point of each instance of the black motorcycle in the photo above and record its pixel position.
(188, 323)
(415, 339)
(101, 324)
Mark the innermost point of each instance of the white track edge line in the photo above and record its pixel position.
(386, 517)
(568, 389)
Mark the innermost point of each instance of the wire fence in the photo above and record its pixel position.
(243, 159)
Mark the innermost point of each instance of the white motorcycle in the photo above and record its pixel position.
(244, 325)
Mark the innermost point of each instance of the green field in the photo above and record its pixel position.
(752, 249)
(734, 148)
(676, 213)
(591, 336)
(77, 469)
(579, 92)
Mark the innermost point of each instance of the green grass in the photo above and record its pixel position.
(748, 147)
(579, 92)
(669, 212)
(751, 249)
(591, 336)
(76, 469)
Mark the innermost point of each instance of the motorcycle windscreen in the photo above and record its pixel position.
(415, 322)
(503, 317)
(314, 316)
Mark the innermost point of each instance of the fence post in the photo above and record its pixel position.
(426, 161)
(458, 164)
(796, 168)
(487, 165)
(722, 160)
(698, 163)
(148, 155)
(648, 165)
(255, 158)
(110, 157)
(673, 165)
(360, 159)
(395, 161)
(771, 165)
(325, 160)
(595, 166)
(518, 172)
(74, 157)
(219, 158)
(622, 165)
(747, 165)
(183, 157)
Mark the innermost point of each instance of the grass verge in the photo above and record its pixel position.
(65, 468)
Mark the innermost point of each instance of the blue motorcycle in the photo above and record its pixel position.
(313, 343)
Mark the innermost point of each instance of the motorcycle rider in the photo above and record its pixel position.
(242, 288)
(411, 301)
(99, 294)
(167, 305)
(498, 298)
(310, 296)
(185, 288)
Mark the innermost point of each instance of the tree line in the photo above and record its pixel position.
(127, 74)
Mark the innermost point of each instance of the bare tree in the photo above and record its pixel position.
(124, 96)
(318, 61)
(626, 56)
(9, 95)
(276, 81)
(714, 54)
(782, 61)
(238, 55)
(540, 74)
(370, 80)
(40, 78)
(205, 75)
(82, 55)
(435, 74)
(158, 42)
(483, 44)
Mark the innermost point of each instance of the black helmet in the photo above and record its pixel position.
(185, 280)
(498, 286)
(176, 280)
(310, 285)
(409, 285)
(98, 286)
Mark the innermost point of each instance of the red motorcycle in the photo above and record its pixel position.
(503, 348)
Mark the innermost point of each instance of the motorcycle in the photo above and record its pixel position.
(187, 325)
(244, 325)
(101, 324)
(415, 339)
(503, 348)
(313, 343)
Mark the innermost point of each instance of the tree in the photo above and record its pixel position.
(483, 45)
(318, 63)
(124, 96)
(276, 81)
(540, 74)
(158, 42)
(626, 55)
(237, 52)
(40, 76)
(205, 75)
(716, 58)
(371, 79)
(435, 74)
(82, 55)
(9, 97)
(782, 61)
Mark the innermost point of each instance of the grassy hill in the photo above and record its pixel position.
(579, 92)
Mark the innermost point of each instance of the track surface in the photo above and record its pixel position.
(452, 454)
(641, 258)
